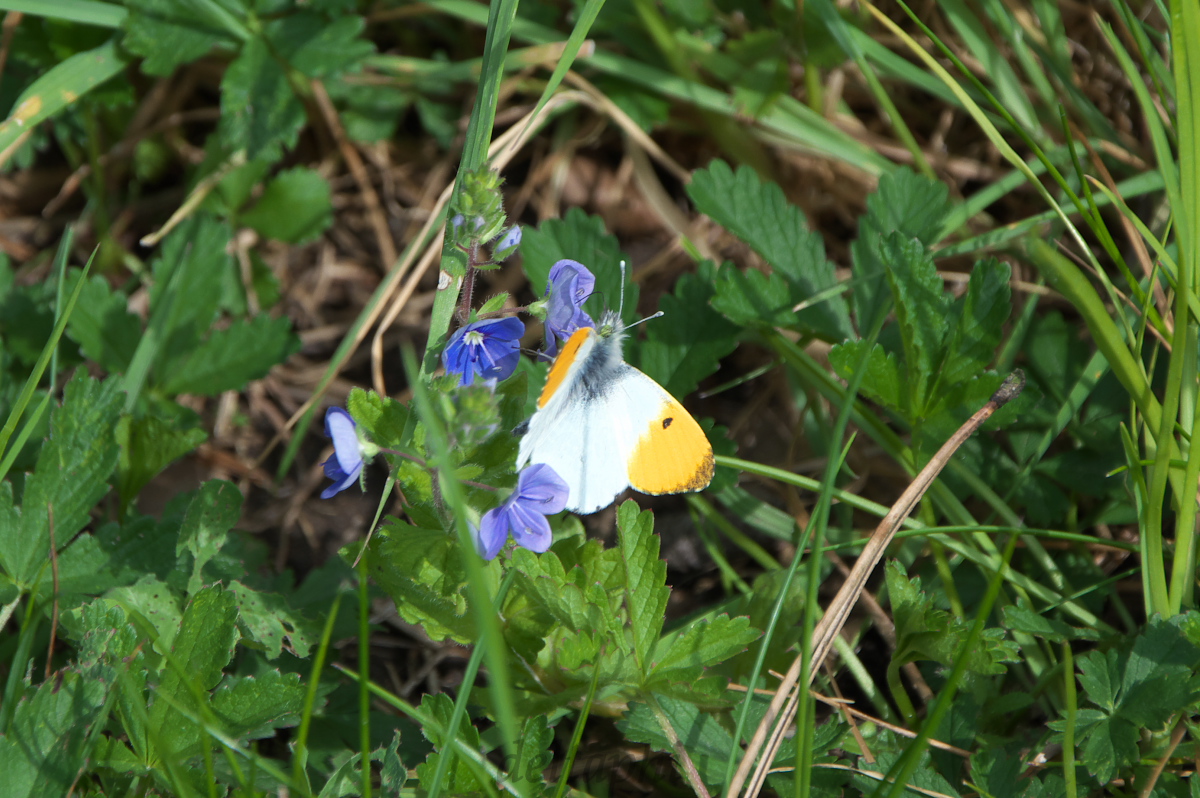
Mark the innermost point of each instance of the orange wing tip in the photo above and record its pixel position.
(562, 364)
(672, 456)
(696, 482)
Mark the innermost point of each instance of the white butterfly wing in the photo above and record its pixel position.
(587, 440)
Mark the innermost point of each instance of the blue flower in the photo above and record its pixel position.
(511, 239)
(489, 349)
(346, 463)
(570, 285)
(540, 492)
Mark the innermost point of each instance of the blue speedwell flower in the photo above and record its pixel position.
(570, 285)
(488, 349)
(540, 492)
(511, 239)
(346, 463)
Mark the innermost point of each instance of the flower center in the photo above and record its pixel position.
(474, 338)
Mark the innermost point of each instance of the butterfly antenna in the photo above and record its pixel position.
(648, 318)
(621, 304)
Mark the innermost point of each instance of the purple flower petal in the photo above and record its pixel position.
(511, 239)
(346, 463)
(492, 532)
(569, 287)
(489, 349)
(540, 492)
(540, 485)
(530, 528)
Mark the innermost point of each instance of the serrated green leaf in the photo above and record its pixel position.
(266, 619)
(111, 649)
(382, 417)
(294, 207)
(148, 445)
(688, 343)
(45, 746)
(909, 203)
(252, 707)
(459, 778)
(759, 214)
(232, 357)
(922, 311)
(682, 655)
(185, 298)
(422, 570)
(925, 778)
(645, 587)
(1020, 618)
(202, 648)
(905, 204)
(70, 477)
(317, 47)
(1111, 744)
(152, 604)
(212, 512)
(581, 238)
(105, 331)
(393, 774)
(259, 111)
(977, 322)
(533, 755)
(1100, 677)
(708, 744)
(884, 379)
(169, 33)
(923, 632)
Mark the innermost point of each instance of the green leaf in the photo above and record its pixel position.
(907, 204)
(202, 648)
(682, 655)
(382, 417)
(533, 755)
(105, 331)
(60, 86)
(422, 570)
(151, 603)
(1100, 677)
(925, 778)
(266, 619)
(687, 344)
(213, 511)
(317, 47)
(45, 747)
(923, 632)
(977, 322)
(759, 214)
(295, 207)
(185, 298)
(111, 650)
(1111, 744)
(884, 380)
(584, 239)
(259, 111)
(232, 357)
(1021, 618)
(459, 778)
(708, 744)
(148, 445)
(169, 33)
(922, 314)
(645, 587)
(253, 707)
(71, 476)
